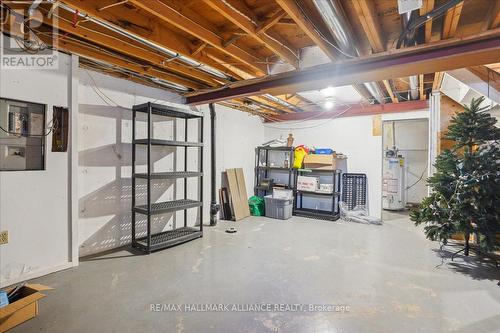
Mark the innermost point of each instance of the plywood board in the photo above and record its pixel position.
(377, 125)
(237, 192)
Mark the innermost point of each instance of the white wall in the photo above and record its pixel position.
(412, 140)
(34, 204)
(351, 136)
(105, 158)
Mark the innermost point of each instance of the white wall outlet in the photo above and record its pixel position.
(4, 237)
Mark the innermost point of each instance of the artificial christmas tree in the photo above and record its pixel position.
(465, 189)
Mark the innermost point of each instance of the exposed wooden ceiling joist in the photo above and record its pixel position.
(427, 6)
(267, 24)
(495, 22)
(246, 24)
(371, 26)
(450, 22)
(388, 87)
(437, 56)
(78, 48)
(158, 33)
(370, 23)
(291, 8)
(118, 45)
(170, 15)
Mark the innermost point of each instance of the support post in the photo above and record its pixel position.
(434, 129)
(214, 207)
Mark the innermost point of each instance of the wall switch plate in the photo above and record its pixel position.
(4, 237)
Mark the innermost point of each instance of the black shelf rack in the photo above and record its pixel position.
(332, 214)
(152, 242)
(263, 170)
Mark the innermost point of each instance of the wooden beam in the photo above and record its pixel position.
(271, 21)
(444, 55)
(291, 8)
(370, 23)
(138, 25)
(427, 6)
(177, 19)
(438, 79)
(388, 87)
(355, 110)
(450, 22)
(421, 86)
(245, 24)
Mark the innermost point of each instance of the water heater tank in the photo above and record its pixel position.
(393, 183)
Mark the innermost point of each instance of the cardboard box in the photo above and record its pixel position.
(305, 183)
(320, 162)
(22, 309)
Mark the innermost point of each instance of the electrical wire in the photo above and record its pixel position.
(415, 183)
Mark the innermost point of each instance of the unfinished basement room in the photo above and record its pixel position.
(250, 166)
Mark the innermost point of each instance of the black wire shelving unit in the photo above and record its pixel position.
(332, 214)
(265, 171)
(152, 242)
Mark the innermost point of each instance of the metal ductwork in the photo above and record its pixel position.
(335, 19)
(410, 41)
(137, 38)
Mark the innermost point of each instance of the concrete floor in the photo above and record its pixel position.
(387, 275)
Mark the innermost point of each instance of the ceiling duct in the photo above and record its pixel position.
(410, 41)
(335, 19)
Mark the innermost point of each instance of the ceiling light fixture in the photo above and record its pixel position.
(328, 91)
(328, 105)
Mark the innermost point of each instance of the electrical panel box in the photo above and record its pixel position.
(22, 140)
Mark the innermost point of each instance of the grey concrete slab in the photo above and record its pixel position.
(387, 275)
